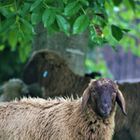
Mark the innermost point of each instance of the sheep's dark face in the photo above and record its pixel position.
(102, 95)
(43, 68)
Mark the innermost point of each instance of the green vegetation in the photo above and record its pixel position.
(114, 22)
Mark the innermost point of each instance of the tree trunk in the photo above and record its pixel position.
(72, 49)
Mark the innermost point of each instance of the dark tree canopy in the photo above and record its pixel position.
(107, 21)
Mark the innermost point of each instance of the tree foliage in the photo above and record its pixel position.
(107, 21)
(8, 68)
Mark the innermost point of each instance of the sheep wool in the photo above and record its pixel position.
(38, 119)
(88, 118)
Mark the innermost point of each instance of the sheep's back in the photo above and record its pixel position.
(33, 119)
(39, 119)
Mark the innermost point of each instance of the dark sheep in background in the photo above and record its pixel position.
(35, 90)
(129, 128)
(49, 70)
(16, 89)
(88, 118)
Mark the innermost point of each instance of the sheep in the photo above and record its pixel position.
(16, 88)
(51, 72)
(88, 118)
(129, 128)
(125, 129)
(35, 90)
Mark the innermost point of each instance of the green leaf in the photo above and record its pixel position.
(85, 2)
(116, 32)
(53, 28)
(80, 24)
(35, 18)
(24, 10)
(132, 4)
(63, 24)
(101, 2)
(24, 51)
(28, 25)
(65, 1)
(2, 47)
(108, 36)
(6, 24)
(13, 38)
(126, 30)
(72, 8)
(117, 2)
(6, 12)
(48, 17)
(35, 4)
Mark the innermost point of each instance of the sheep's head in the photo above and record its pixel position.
(102, 95)
(44, 67)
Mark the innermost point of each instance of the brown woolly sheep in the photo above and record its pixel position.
(129, 128)
(49, 70)
(16, 88)
(52, 72)
(89, 118)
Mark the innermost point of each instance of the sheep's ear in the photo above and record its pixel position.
(86, 94)
(85, 98)
(121, 102)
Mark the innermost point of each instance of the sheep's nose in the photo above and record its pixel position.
(105, 110)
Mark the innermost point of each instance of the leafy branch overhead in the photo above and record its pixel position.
(101, 18)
